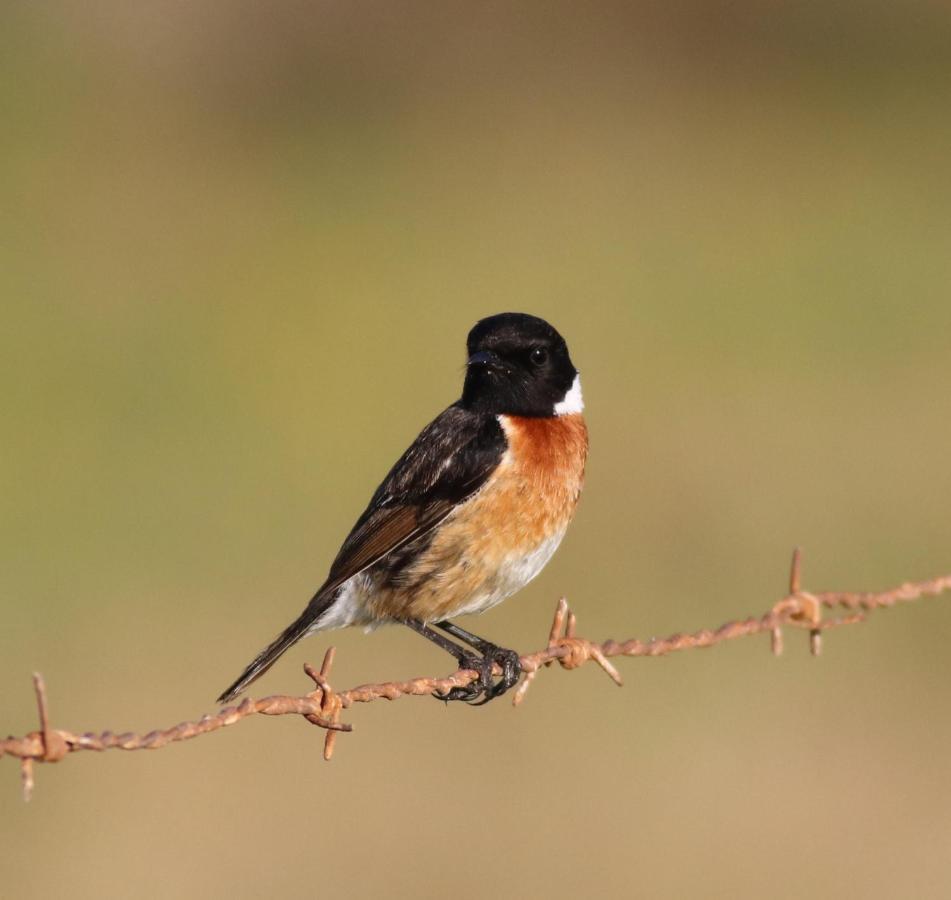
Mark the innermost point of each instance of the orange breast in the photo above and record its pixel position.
(547, 459)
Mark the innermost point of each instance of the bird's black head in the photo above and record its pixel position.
(519, 365)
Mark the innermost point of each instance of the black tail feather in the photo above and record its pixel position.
(273, 651)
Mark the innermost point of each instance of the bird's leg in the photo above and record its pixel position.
(471, 693)
(507, 659)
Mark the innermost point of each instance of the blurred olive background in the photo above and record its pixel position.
(241, 248)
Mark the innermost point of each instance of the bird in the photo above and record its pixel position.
(469, 514)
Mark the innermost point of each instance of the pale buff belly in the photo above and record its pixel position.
(470, 576)
(457, 579)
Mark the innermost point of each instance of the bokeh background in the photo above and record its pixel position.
(241, 247)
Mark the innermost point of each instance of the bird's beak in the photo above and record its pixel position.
(485, 359)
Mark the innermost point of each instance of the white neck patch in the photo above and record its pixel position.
(572, 402)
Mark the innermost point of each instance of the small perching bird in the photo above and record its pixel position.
(470, 513)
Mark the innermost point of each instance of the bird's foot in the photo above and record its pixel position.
(486, 687)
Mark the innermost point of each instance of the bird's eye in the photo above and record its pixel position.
(538, 356)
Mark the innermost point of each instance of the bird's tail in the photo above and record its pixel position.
(283, 642)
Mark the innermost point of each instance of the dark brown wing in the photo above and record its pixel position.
(449, 461)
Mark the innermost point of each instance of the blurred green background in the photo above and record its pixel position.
(241, 247)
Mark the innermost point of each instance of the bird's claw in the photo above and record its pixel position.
(485, 687)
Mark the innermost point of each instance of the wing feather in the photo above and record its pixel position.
(449, 461)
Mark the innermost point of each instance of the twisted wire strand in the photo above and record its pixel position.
(322, 706)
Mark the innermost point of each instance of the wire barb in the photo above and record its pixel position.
(330, 703)
(799, 607)
(323, 706)
(570, 651)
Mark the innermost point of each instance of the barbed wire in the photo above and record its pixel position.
(322, 706)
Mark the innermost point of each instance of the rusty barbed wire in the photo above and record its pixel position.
(323, 706)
